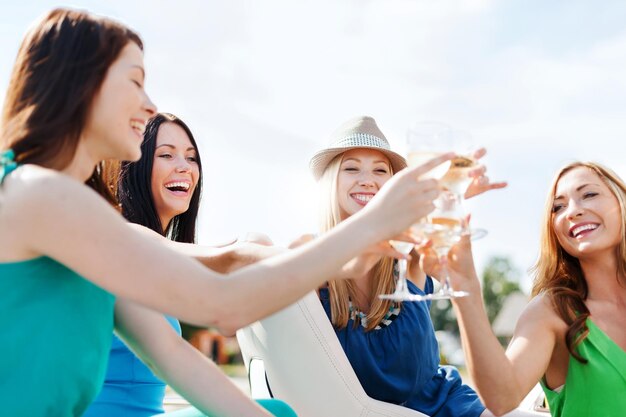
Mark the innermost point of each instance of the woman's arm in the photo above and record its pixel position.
(502, 378)
(184, 368)
(222, 259)
(57, 216)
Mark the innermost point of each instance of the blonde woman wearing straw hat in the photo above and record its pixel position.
(391, 346)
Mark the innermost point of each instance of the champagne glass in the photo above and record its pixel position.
(401, 292)
(418, 135)
(457, 178)
(445, 228)
(429, 139)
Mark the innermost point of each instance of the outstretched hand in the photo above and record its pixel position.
(481, 182)
(404, 199)
(363, 263)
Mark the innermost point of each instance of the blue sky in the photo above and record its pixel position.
(262, 84)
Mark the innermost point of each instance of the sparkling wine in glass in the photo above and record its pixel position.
(427, 140)
(457, 178)
(444, 229)
(444, 233)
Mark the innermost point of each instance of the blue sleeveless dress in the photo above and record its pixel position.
(130, 388)
(399, 363)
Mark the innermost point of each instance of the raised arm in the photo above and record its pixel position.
(59, 217)
(502, 378)
(222, 259)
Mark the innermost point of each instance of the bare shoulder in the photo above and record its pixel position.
(33, 193)
(32, 198)
(540, 312)
(37, 185)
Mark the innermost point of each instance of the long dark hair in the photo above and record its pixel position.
(135, 191)
(60, 67)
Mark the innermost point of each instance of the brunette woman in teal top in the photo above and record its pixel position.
(76, 97)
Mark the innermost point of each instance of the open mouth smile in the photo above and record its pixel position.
(361, 198)
(582, 229)
(180, 188)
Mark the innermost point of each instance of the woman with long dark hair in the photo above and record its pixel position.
(71, 267)
(160, 191)
(168, 209)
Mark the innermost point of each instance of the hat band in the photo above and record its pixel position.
(362, 139)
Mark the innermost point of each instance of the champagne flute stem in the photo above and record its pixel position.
(401, 286)
(445, 283)
(460, 199)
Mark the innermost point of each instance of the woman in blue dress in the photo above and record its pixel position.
(160, 191)
(72, 269)
(391, 346)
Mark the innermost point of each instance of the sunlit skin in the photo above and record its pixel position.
(119, 111)
(361, 175)
(175, 172)
(586, 215)
(587, 222)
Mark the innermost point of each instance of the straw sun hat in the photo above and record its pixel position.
(360, 132)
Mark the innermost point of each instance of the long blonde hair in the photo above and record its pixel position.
(342, 291)
(559, 274)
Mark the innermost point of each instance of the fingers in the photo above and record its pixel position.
(258, 238)
(406, 236)
(481, 185)
(427, 166)
(424, 247)
(479, 153)
(478, 171)
(497, 185)
(301, 240)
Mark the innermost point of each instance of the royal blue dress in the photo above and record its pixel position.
(399, 362)
(130, 388)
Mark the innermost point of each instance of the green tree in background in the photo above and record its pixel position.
(500, 279)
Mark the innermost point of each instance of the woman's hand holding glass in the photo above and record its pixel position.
(457, 267)
(461, 178)
(426, 190)
(480, 183)
(404, 199)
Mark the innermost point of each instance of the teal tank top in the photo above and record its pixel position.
(57, 335)
(597, 388)
(56, 332)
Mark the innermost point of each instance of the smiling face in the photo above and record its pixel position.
(586, 215)
(175, 172)
(361, 175)
(119, 111)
